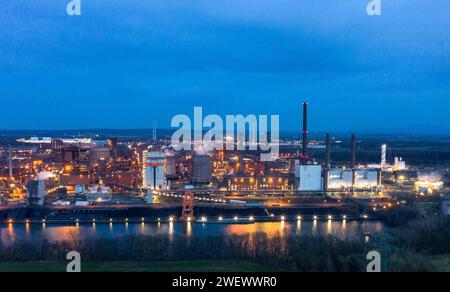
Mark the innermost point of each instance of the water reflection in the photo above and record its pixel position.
(330, 227)
(342, 229)
(299, 226)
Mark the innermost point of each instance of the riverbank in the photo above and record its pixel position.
(171, 212)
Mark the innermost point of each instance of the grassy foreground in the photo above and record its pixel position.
(441, 263)
(197, 266)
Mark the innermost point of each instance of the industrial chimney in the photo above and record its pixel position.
(328, 151)
(353, 151)
(305, 134)
(353, 160)
(10, 165)
(326, 171)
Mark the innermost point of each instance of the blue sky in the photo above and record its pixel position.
(127, 63)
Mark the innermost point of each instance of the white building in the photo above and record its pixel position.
(154, 171)
(310, 177)
(367, 179)
(399, 164)
(383, 156)
(339, 179)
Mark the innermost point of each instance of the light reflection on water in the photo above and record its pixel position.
(342, 229)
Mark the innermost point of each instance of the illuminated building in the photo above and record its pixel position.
(48, 140)
(429, 182)
(98, 154)
(342, 179)
(399, 164)
(36, 192)
(383, 163)
(258, 183)
(310, 177)
(112, 143)
(154, 171)
(71, 155)
(57, 144)
(171, 166)
(201, 169)
(220, 168)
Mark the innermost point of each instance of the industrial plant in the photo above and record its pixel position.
(81, 173)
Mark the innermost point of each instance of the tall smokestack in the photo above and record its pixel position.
(328, 151)
(383, 156)
(10, 164)
(353, 160)
(305, 133)
(353, 151)
(326, 171)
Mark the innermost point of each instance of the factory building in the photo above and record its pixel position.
(154, 171)
(314, 178)
(367, 178)
(310, 177)
(359, 179)
(260, 183)
(36, 192)
(171, 165)
(399, 164)
(201, 169)
(99, 154)
(340, 179)
(57, 145)
(428, 183)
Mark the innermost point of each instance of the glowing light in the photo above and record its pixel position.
(220, 218)
(204, 219)
(251, 218)
(330, 217)
(315, 218)
(299, 217)
(171, 219)
(283, 218)
(236, 218)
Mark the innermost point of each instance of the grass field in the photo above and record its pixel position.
(198, 266)
(441, 262)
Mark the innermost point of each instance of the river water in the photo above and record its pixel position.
(343, 229)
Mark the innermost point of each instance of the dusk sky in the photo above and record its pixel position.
(127, 63)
